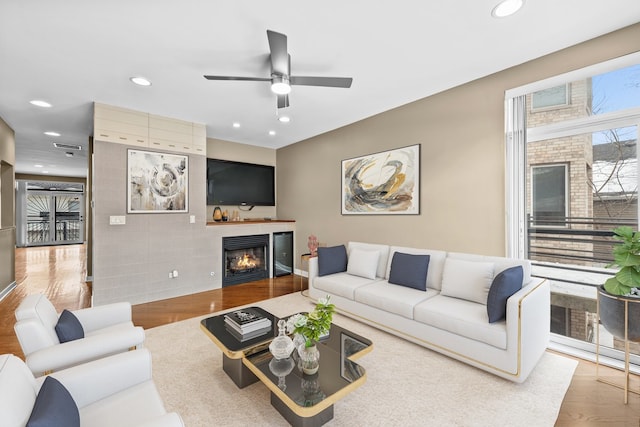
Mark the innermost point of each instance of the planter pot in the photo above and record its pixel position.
(612, 314)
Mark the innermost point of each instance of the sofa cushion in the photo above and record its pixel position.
(363, 263)
(462, 317)
(395, 299)
(382, 249)
(54, 406)
(332, 259)
(436, 263)
(137, 405)
(468, 280)
(341, 284)
(501, 263)
(409, 270)
(505, 284)
(69, 327)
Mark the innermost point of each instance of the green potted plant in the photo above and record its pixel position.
(623, 289)
(310, 328)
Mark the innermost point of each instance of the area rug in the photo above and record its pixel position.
(407, 385)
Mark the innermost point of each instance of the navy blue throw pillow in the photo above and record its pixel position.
(68, 327)
(332, 260)
(409, 270)
(505, 284)
(54, 407)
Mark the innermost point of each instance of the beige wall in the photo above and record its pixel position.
(225, 150)
(461, 132)
(7, 205)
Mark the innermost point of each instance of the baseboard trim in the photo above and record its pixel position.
(6, 291)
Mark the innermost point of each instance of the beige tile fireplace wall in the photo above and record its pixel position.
(132, 261)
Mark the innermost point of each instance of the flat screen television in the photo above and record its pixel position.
(241, 184)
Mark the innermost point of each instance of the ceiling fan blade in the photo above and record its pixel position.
(344, 82)
(279, 54)
(250, 79)
(283, 101)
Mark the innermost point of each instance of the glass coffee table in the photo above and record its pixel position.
(303, 400)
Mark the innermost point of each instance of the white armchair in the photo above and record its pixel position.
(107, 330)
(112, 391)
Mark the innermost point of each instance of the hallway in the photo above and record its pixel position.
(59, 272)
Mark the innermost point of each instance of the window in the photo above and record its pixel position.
(549, 195)
(553, 97)
(572, 177)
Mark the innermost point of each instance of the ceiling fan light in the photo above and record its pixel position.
(280, 85)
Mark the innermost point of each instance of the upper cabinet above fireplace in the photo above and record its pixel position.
(123, 126)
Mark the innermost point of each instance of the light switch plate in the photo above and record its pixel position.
(117, 220)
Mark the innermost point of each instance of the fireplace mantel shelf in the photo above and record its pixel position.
(250, 221)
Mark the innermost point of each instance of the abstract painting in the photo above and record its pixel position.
(382, 183)
(157, 182)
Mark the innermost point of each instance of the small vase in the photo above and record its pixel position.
(217, 214)
(282, 346)
(309, 359)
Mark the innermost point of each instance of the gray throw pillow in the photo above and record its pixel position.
(409, 270)
(505, 284)
(54, 407)
(331, 260)
(68, 327)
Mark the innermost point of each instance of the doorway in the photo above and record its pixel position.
(49, 213)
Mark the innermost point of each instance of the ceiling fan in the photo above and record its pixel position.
(281, 78)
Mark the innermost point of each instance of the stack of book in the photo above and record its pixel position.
(246, 323)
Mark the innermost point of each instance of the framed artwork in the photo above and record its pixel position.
(382, 183)
(157, 182)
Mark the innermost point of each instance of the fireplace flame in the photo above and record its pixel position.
(246, 262)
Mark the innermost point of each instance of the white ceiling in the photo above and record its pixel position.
(74, 52)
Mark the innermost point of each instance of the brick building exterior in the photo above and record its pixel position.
(600, 184)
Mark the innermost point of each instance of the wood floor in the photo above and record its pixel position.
(60, 271)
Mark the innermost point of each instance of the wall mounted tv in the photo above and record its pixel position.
(242, 184)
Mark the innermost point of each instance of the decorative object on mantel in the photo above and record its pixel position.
(382, 183)
(225, 215)
(312, 244)
(312, 327)
(217, 214)
(282, 346)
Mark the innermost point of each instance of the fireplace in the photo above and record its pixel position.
(245, 259)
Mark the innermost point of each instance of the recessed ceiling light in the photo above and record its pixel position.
(507, 8)
(50, 133)
(284, 119)
(236, 125)
(140, 81)
(272, 132)
(45, 171)
(40, 103)
(38, 166)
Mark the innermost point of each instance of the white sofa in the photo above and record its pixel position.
(112, 391)
(107, 330)
(455, 325)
